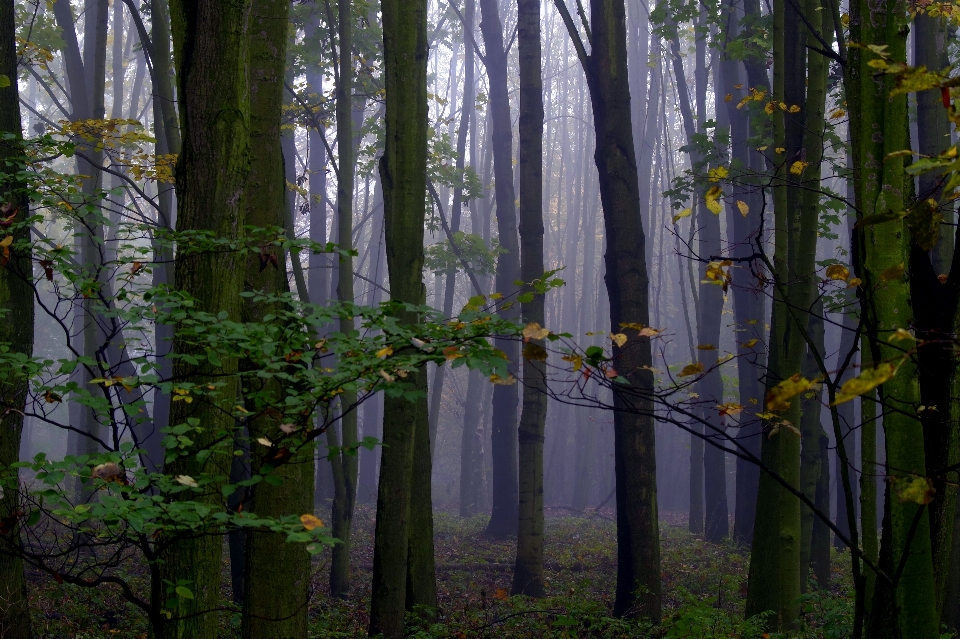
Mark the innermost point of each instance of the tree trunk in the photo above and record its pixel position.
(503, 516)
(528, 573)
(212, 52)
(878, 127)
(635, 467)
(16, 295)
(403, 175)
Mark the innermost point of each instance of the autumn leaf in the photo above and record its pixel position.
(452, 353)
(838, 272)
(778, 397)
(854, 283)
(4, 81)
(769, 108)
(918, 490)
(839, 113)
(794, 108)
(310, 522)
(691, 369)
(712, 198)
(706, 347)
(263, 441)
(186, 480)
(503, 381)
(386, 351)
(750, 343)
(682, 214)
(731, 409)
(500, 594)
(385, 375)
(900, 334)
(611, 372)
(744, 208)
(717, 173)
(866, 381)
(533, 330)
(618, 338)
(534, 352)
(797, 167)
(576, 360)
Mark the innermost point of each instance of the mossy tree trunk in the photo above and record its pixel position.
(879, 127)
(276, 581)
(16, 296)
(403, 175)
(210, 38)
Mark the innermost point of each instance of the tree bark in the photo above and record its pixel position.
(212, 54)
(503, 516)
(16, 295)
(528, 574)
(403, 175)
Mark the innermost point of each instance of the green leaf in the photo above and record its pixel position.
(4, 81)
(184, 592)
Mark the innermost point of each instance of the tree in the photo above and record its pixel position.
(638, 544)
(528, 572)
(403, 175)
(16, 298)
(503, 516)
(211, 49)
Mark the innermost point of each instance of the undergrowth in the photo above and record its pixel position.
(704, 588)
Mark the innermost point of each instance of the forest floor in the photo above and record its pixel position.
(704, 586)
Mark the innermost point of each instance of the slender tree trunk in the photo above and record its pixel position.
(16, 295)
(810, 453)
(638, 544)
(528, 572)
(403, 174)
(503, 517)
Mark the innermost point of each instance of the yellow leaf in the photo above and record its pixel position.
(706, 347)
(902, 334)
(618, 338)
(780, 149)
(386, 351)
(186, 480)
(310, 522)
(4, 81)
(797, 167)
(730, 409)
(744, 208)
(738, 86)
(878, 63)
(452, 353)
(918, 490)
(794, 108)
(750, 343)
(839, 113)
(503, 381)
(712, 198)
(576, 360)
(691, 369)
(533, 330)
(838, 272)
(386, 376)
(7, 241)
(866, 381)
(717, 173)
(778, 397)
(265, 442)
(648, 332)
(854, 283)
(682, 214)
(769, 108)
(728, 97)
